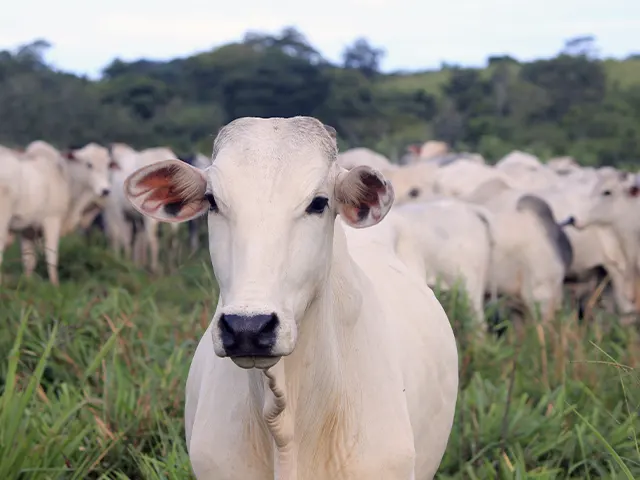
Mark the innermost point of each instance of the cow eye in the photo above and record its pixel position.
(213, 206)
(318, 205)
(606, 193)
(89, 166)
(414, 192)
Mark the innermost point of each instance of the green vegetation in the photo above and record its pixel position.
(571, 104)
(93, 378)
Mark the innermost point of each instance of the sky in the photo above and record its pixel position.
(416, 34)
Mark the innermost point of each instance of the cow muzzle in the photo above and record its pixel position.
(570, 221)
(249, 340)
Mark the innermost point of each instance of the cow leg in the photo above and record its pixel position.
(193, 235)
(151, 234)
(51, 228)
(174, 246)
(29, 258)
(139, 255)
(5, 217)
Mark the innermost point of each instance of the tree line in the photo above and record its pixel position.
(571, 104)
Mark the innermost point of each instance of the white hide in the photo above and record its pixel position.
(463, 176)
(363, 156)
(525, 263)
(412, 182)
(41, 193)
(118, 209)
(520, 159)
(526, 172)
(201, 161)
(594, 246)
(433, 149)
(363, 378)
(454, 243)
(613, 205)
(563, 165)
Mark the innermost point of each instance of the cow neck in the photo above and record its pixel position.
(310, 396)
(80, 197)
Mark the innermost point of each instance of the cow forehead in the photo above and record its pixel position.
(273, 156)
(94, 153)
(289, 176)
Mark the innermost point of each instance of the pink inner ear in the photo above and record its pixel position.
(351, 213)
(375, 189)
(634, 191)
(160, 188)
(69, 155)
(114, 166)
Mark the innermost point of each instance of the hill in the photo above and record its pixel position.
(571, 104)
(625, 73)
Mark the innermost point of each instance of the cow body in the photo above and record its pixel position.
(343, 363)
(128, 231)
(452, 242)
(42, 193)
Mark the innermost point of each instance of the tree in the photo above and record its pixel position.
(290, 42)
(568, 80)
(364, 57)
(273, 84)
(582, 46)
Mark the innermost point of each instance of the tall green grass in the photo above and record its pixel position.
(92, 381)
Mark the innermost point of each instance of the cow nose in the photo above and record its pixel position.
(105, 192)
(248, 335)
(568, 221)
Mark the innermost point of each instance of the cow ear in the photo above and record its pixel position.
(633, 191)
(169, 191)
(113, 165)
(363, 195)
(331, 131)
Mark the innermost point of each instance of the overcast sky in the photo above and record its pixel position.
(416, 34)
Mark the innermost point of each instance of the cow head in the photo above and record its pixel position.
(614, 197)
(92, 165)
(413, 182)
(271, 194)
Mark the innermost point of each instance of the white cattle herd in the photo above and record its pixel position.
(342, 363)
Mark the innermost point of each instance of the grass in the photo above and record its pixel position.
(626, 73)
(93, 374)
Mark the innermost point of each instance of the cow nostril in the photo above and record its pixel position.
(105, 192)
(226, 331)
(266, 336)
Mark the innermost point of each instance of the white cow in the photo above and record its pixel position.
(364, 156)
(532, 253)
(525, 171)
(463, 176)
(43, 193)
(120, 217)
(433, 149)
(453, 242)
(563, 165)
(613, 204)
(593, 247)
(412, 182)
(349, 367)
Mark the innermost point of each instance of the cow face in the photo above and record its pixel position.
(92, 167)
(612, 198)
(414, 182)
(272, 195)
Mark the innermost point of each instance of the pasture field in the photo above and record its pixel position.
(92, 380)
